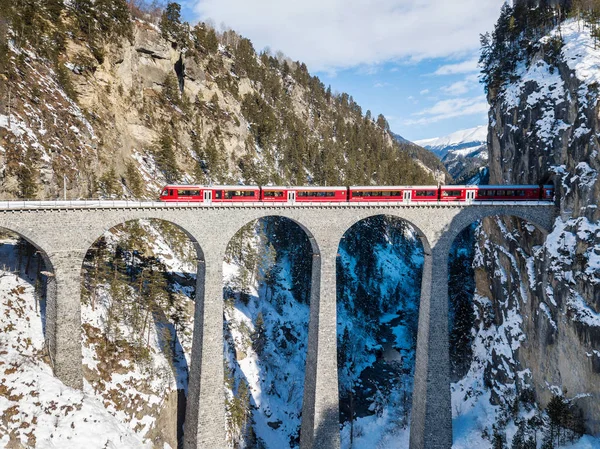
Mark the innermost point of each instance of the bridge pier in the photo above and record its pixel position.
(431, 420)
(63, 317)
(320, 406)
(205, 423)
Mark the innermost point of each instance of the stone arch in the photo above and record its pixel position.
(397, 214)
(301, 247)
(389, 342)
(49, 325)
(542, 220)
(175, 403)
(91, 239)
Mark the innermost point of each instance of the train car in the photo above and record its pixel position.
(209, 194)
(233, 194)
(370, 193)
(320, 194)
(508, 193)
(424, 194)
(547, 193)
(275, 194)
(181, 193)
(455, 193)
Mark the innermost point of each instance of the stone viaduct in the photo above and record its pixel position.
(64, 233)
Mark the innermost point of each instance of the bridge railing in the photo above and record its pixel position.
(127, 204)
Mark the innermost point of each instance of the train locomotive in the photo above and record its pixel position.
(358, 194)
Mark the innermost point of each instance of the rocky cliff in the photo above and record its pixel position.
(119, 115)
(544, 128)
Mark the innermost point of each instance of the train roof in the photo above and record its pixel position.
(318, 188)
(512, 186)
(199, 186)
(386, 187)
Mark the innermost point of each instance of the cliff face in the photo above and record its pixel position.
(544, 128)
(121, 117)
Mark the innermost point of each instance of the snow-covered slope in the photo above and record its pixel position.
(37, 409)
(462, 152)
(461, 143)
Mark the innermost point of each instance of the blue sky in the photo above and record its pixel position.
(412, 60)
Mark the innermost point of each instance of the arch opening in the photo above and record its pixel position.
(495, 302)
(267, 291)
(379, 271)
(30, 265)
(138, 288)
(27, 292)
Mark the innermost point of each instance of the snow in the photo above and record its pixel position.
(53, 416)
(580, 311)
(477, 134)
(544, 308)
(579, 51)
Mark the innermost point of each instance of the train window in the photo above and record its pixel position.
(484, 193)
(171, 192)
(182, 192)
(519, 192)
(218, 194)
(229, 194)
(358, 194)
(273, 193)
(426, 193)
(164, 192)
(451, 193)
(510, 193)
(315, 194)
(500, 192)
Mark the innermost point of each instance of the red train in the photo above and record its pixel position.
(405, 194)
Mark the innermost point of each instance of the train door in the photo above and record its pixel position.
(470, 196)
(291, 196)
(406, 196)
(207, 196)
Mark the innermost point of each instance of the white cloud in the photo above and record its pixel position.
(424, 92)
(379, 85)
(446, 109)
(469, 66)
(335, 34)
(461, 87)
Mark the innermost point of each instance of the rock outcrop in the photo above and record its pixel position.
(544, 128)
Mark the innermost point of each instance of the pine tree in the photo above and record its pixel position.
(170, 22)
(133, 180)
(498, 438)
(557, 411)
(109, 182)
(165, 156)
(170, 90)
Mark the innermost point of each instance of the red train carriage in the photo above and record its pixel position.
(547, 193)
(182, 193)
(424, 193)
(204, 194)
(320, 194)
(234, 194)
(367, 194)
(455, 193)
(276, 194)
(509, 193)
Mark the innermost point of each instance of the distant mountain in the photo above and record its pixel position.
(462, 152)
(465, 141)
